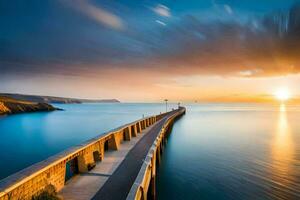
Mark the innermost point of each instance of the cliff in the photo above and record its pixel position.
(51, 99)
(99, 101)
(12, 106)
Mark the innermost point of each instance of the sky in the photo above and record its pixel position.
(145, 51)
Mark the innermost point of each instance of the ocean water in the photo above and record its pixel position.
(215, 151)
(32, 137)
(232, 151)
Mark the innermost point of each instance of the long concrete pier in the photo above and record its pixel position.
(77, 173)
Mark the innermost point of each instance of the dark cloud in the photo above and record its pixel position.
(81, 37)
(263, 46)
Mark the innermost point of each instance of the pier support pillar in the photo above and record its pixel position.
(88, 158)
(82, 166)
(113, 142)
(158, 155)
(137, 125)
(144, 124)
(152, 189)
(127, 135)
(102, 150)
(133, 131)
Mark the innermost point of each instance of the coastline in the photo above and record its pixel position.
(22, 103)
(54, 99)
(10, 106)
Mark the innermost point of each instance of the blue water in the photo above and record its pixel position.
(247, 152)
(28, 138)
(215, 151)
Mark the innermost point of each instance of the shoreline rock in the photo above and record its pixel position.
(11, 106)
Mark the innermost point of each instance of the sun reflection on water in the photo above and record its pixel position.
(282, 151)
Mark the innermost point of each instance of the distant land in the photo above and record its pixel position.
(52, 99)
(10, 105)
(21, 103)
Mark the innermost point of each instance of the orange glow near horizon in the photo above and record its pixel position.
(151, 86)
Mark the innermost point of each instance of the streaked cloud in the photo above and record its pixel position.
(66, 40)
(98, 14)
(160, 22)
(250, 73)
(162, 10)
(231, 48)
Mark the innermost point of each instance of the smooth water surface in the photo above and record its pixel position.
(216, 151)
(233, 152)
(32, 137)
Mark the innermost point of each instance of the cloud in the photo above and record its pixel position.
(99, 14)
(162, 10)
(160, 22)
(228, 9)
(68, 41)
(249, 73)
(229, 48)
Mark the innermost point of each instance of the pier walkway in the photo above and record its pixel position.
(86, 185)
(120, 182)
(119, 164)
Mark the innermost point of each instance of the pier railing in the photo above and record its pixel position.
(33, 180)
(144, 184)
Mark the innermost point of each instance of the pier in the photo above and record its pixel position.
(119, 164)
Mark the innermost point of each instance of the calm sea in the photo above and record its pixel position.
(29, 138)
(216, 151)
(246, 152)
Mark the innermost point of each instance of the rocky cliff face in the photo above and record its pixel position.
(11, 106)
(40, 99)
(3, 109)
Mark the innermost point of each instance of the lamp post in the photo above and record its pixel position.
(166, 100)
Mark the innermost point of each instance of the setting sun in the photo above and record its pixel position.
(282, 94)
